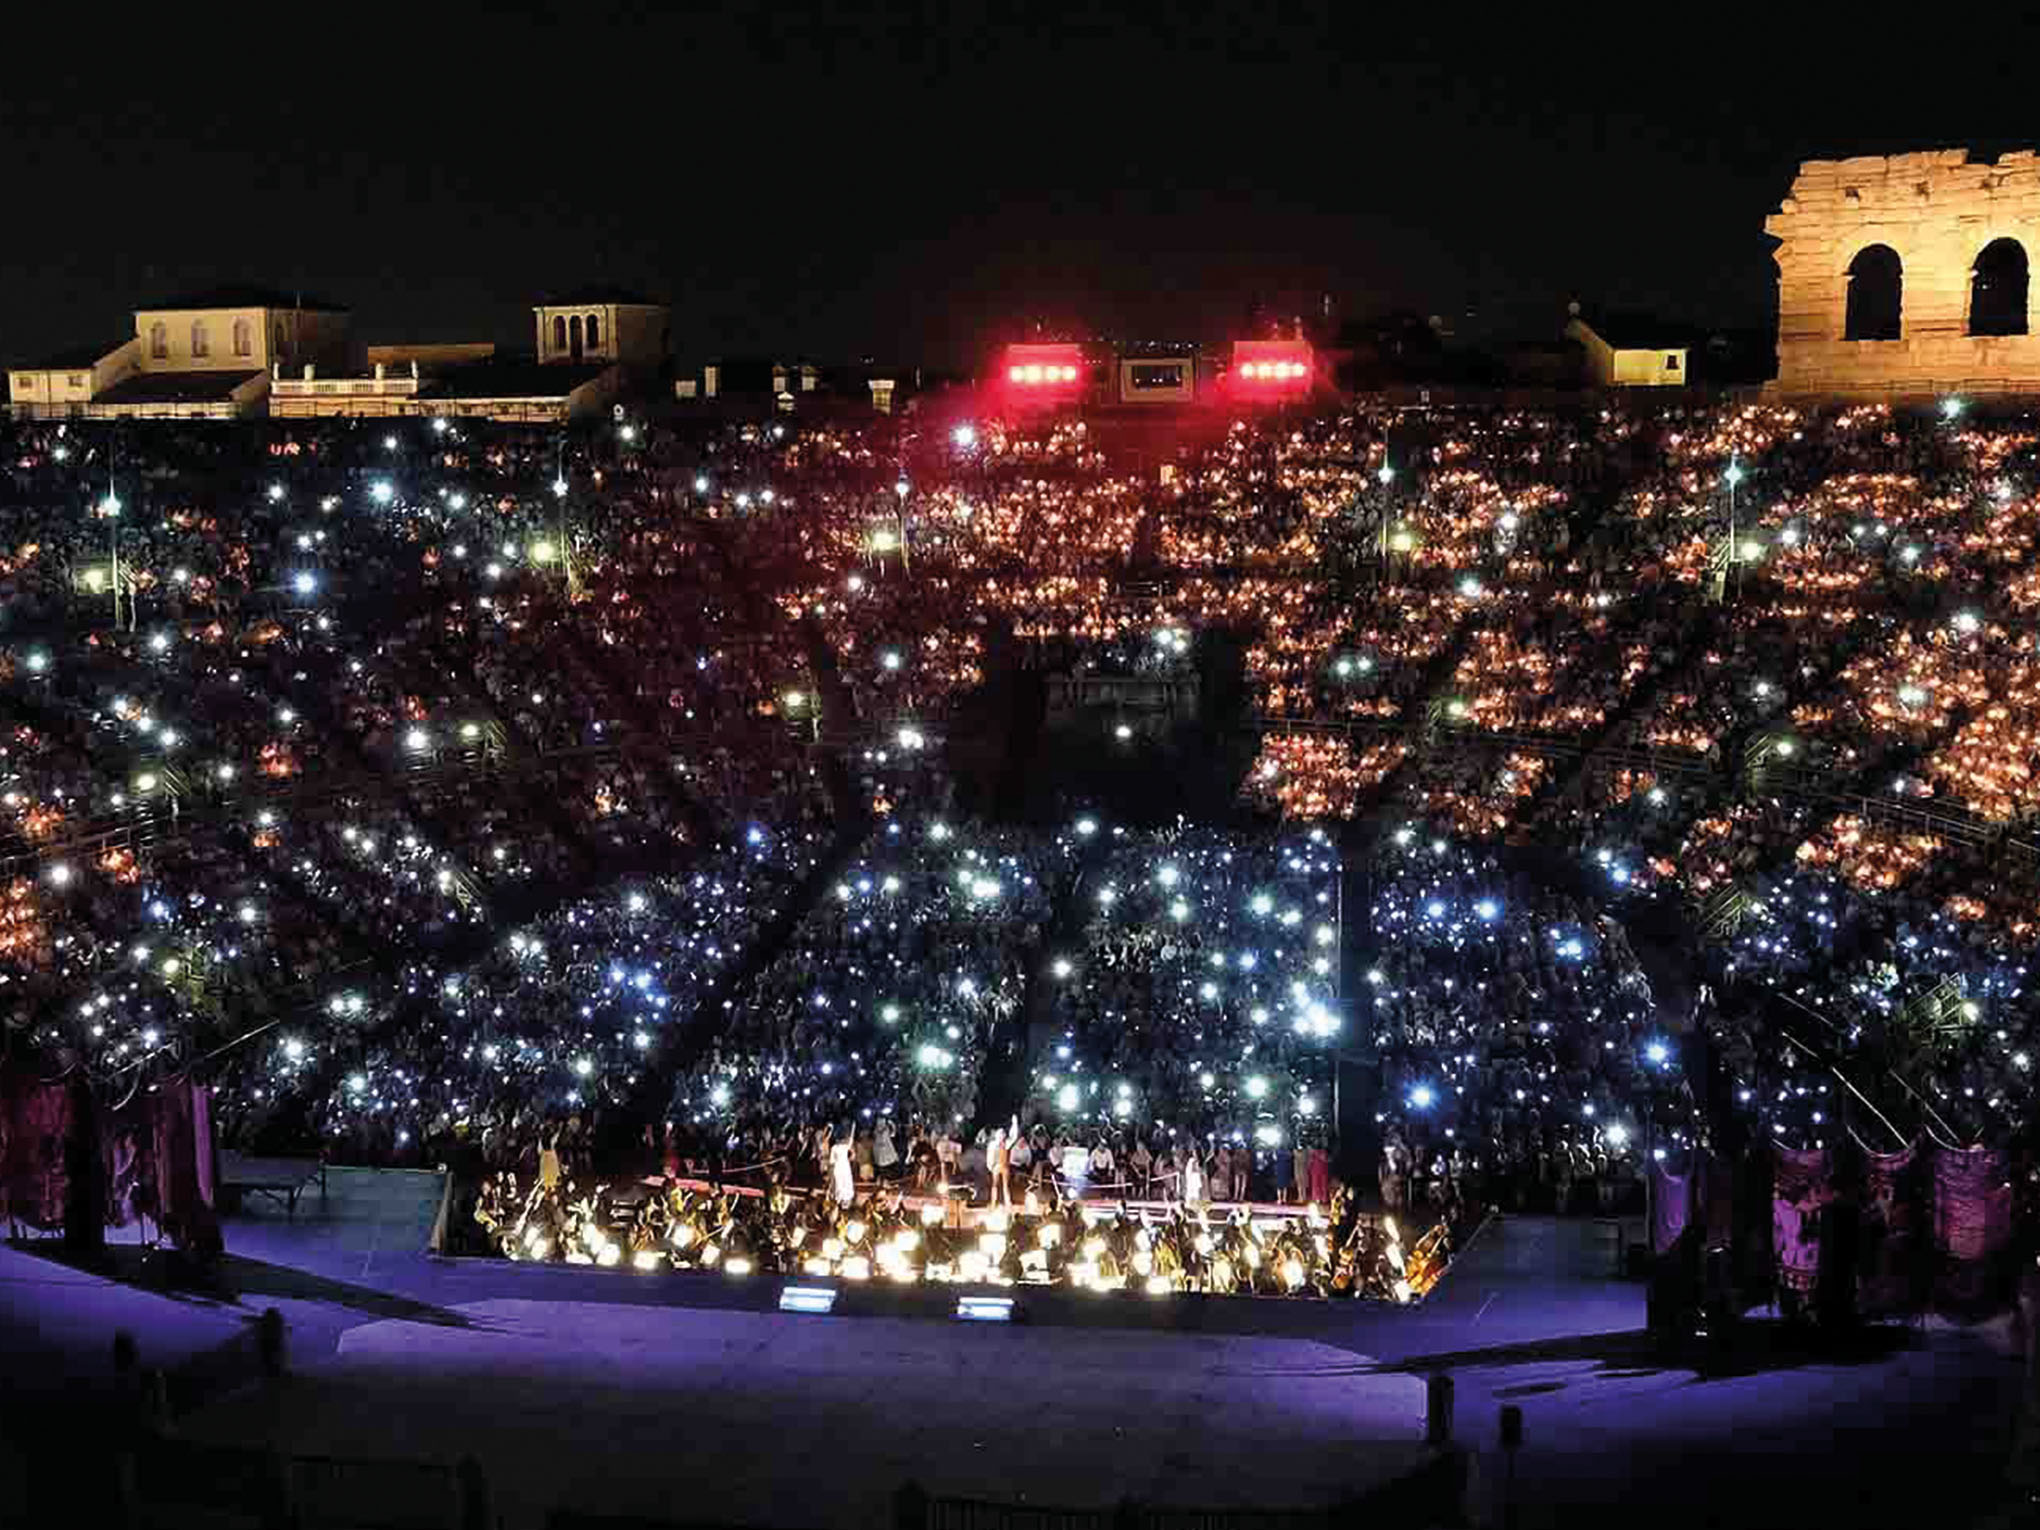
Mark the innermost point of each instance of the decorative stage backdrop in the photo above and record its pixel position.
(155, 1156)
(1928, 1225)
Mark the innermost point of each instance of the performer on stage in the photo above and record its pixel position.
(999, 1157)
(842, 1174)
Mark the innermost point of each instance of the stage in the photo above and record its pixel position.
(689, 1396)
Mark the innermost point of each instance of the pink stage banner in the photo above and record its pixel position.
(1801, 1188)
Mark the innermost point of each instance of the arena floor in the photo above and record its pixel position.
(689, 1397)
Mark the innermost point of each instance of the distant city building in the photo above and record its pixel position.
(603, 324)
(1628, 352)
(247, 351)
(588, 348)
(740, 385)
(204, 355)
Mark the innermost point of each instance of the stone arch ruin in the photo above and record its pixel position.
(1959, 232)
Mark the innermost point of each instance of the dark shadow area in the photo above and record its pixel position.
(1754, 1348)
(234, 1280)
(1876, 295)
(1997, 289)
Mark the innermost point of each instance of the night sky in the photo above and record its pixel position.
(916, 182)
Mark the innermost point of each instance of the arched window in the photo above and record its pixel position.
(574, 336)
(201, 344)
(1876, 294)
(244, 338)
(159, 341)
(559, 333)
(1997, 289)
(594, 333)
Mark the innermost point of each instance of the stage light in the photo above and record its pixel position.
(1016, 374)
(985, 1309)
(815, 1299)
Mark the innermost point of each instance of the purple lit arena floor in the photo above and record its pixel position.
(688, 1397)
(758, 1418)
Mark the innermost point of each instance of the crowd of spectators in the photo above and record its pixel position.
(438, 784)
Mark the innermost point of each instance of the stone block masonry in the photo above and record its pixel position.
(1936, 211)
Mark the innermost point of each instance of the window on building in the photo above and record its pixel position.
(594, 333)
(201, 343)
(1876, 295)
(244, 338)
(159, 340)
(559, 333)
(574, 336)
(1997, 289)
(1672, 361)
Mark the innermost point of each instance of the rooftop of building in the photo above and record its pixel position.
(1639, 332)
(245, 295)
(175, 387)
(514, 377)
(598, 292)
(76, 357)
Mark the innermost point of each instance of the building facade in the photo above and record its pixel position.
(241, 351)
(1630, 356)
(206, 355)
(63, 385)
(602, 324)
(1906, 276)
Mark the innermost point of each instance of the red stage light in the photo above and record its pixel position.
(1272, 365)
(1047, 372)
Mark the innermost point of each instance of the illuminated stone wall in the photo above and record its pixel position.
(1937, 210)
